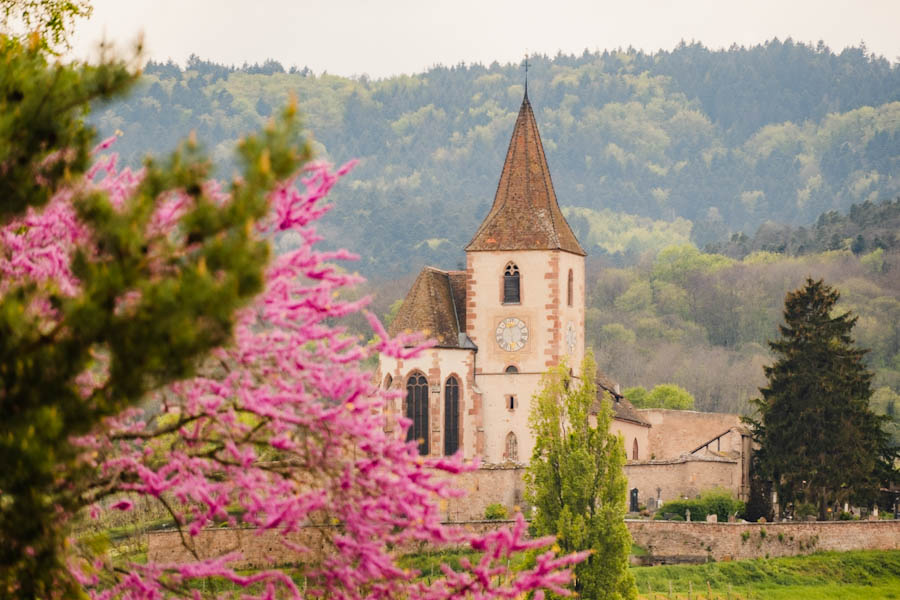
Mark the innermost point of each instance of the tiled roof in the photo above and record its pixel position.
(525, 214)
(622, 408)
(435, 306)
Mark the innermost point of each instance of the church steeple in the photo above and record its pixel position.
(525, 214)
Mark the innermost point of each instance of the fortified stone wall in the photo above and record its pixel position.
(491, 484)
(666, 541)
(671, 541)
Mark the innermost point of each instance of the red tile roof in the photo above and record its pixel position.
(435, 306)
(525, 214)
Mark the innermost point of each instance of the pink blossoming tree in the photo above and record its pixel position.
(154, 289)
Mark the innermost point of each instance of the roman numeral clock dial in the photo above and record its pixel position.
(511, 334)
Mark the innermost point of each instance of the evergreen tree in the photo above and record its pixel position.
(819, 441)
(576, 481)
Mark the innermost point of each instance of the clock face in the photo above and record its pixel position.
(511, 334)
(571, 336)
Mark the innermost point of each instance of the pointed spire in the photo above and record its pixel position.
(525, 214)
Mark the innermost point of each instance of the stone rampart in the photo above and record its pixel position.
(673, 541)
(665, 541)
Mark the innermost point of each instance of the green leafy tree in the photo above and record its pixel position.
(819, 441)
(576, 481)
(142, 306)
(666, 395)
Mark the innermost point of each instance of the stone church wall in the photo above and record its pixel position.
(684, 477)
(504, 484)
(675, 432)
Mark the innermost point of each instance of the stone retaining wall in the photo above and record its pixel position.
(675, 541)
(665, 541)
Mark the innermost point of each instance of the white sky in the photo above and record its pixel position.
(387, 37)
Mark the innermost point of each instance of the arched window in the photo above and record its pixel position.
(512, 447)
(569, 287)
(511, 284)
(388, 382)
(451, 416)
(512, 369)
(417, 410)
(634, 450)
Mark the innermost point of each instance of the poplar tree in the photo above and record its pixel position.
(819, 441)
(576, 482)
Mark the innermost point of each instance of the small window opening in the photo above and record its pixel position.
(417, 410)
(511, 284)
(511, 402)
(512, 447)
(512, 369)
(634, 450)
(388, 381)
(451, 416)
(569, 287)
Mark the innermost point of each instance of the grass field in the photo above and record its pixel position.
(868, 575)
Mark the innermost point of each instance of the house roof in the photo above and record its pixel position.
(623, 410)
(525, 214)
(435, 305)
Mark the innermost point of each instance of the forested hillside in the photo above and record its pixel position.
(703, 143)
(703, 320)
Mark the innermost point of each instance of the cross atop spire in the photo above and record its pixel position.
(526, 73)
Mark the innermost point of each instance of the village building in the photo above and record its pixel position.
(517, 310)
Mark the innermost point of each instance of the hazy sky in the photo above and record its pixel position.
(352, 37)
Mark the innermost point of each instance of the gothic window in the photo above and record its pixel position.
(451, 416)
(417, 410)
(511, 284)
(634, 450)
(569, 287)
(388, 381)
(512, 447)
(512, 369)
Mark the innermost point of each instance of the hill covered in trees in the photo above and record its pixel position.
(690, 145)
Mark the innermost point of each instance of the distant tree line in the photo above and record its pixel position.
(724, 140)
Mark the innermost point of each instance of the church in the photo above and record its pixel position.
(517, 310)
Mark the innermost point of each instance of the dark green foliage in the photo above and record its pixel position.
(41, 111)
(819, 440)
(718, 502)
(187, 285)
(576, 482)
(759, 504)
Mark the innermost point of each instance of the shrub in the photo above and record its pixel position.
(495, 512)
(805, 509)
(717, 502)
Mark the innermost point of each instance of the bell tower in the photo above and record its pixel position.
(524, 293)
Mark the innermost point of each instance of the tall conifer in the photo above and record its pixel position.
(819, 441)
